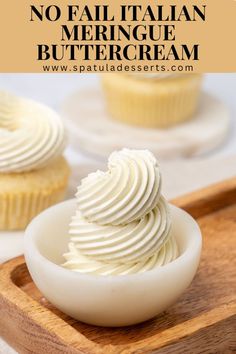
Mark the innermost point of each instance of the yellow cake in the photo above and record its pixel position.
(33, 173)
(24, 195)
(150, 100)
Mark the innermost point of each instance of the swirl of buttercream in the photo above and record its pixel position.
(130, 227)
(126, 192)
(129, 243)
(31, 134)
(77, 262)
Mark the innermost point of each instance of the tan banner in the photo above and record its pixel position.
(93, 36)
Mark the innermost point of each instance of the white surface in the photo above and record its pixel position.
(5, 348)
(11, 244)
(88, 123)
(108, 300)
(52, 89)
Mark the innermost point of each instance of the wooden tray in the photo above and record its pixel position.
(202, 321)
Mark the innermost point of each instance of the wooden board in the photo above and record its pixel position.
(202, 321)
(95, 132)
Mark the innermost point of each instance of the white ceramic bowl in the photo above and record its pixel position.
(107, 300)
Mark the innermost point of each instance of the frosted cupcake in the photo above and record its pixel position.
(122, 223)
(33, 172)
(152, 100)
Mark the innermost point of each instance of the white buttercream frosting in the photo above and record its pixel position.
(79, 263)
(122, 222)
(31, 134)
(126, 192)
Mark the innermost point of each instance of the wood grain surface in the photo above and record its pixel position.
(202, 321)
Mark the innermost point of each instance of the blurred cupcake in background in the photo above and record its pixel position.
(152, 100)
(33, 172)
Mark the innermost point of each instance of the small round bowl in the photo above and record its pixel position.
(107, 300)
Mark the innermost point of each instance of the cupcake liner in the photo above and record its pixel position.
(152, 103)
(18, 208)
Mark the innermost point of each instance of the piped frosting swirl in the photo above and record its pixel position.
(122, 222)
(31, 134)
(126, 192)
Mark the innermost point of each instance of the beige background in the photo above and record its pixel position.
(19, 36)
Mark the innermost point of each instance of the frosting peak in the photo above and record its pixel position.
(31, 134)
(122, 222)
(125, 193)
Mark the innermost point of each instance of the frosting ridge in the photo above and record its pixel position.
(127, 243)
(126, 192)
(31, 134)
(122, 222)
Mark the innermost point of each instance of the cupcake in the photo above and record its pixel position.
(152, 100)
(33, 172)
(122, 222)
